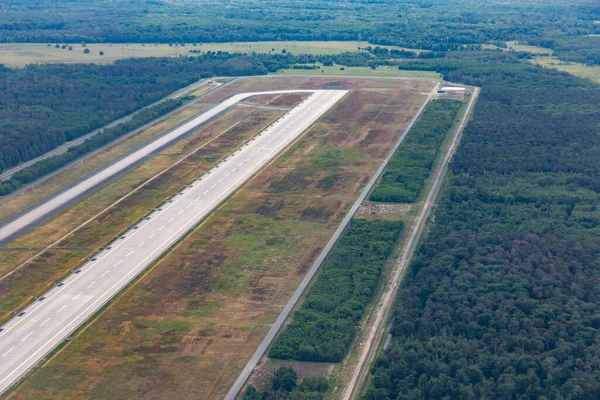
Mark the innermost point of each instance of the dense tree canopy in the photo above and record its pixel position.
(426, 24)
(503, 300)
(285, 386)
(325, 326)
(407, 171)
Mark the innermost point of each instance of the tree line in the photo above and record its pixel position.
(325, 326)
(285, 385)
(406, 173)
(51, 164)
(424, 24)
(502, 300)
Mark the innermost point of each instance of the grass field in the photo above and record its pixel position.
(189, 325)
(338, 70)
(19, 54)
(585, 71)
(530, 49)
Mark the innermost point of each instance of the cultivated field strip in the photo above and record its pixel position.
(38, 329)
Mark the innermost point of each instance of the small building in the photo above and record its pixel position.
(452, 89)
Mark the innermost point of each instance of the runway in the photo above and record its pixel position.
(38, 329)
(18, 225)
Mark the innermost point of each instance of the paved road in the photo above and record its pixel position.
(63, 148)
(264, 345)
(26, 220)
(26, 338)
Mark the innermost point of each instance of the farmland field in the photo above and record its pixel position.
(584, 71)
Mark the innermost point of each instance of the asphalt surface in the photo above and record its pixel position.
(12, 228)
(285, 313)
(42, 326)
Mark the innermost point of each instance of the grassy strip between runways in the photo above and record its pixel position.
(406, 173)
(324, 328)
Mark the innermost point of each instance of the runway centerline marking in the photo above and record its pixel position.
(25, 338)
(11, 349)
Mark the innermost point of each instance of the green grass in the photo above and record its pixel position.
(530, 49)
(332, 158)
(385, 71)
(19, 54)
(256, 252)
(578, 69)
(584, 71)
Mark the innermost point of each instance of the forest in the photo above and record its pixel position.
(326, 324)
(420, 24)
(44, 106)
(502, 300)
(407, 171)
(51, 164)
(582, 49)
